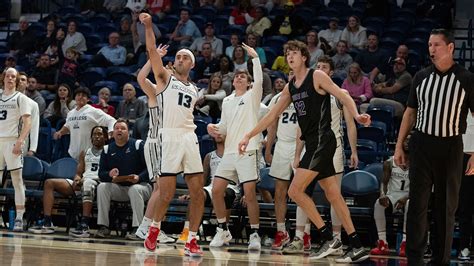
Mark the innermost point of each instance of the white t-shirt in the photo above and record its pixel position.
(287, 122)
(12, 108)
(240, 114)
(80, 123)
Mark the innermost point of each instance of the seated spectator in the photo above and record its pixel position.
(358, 86)
(234, 42)
(126, 36)
(80, 121)
(60, 106)
(159, 7)
(70, 69)
(242, 14)
(402, 52)
(354, 34)
(278, 86)
(206, 66)
(185, 32)
(226, 71)
(74, 39)
(49, 37)
(342, 60)
(103, 104)
(45, 74)
(238, 57)
(312, 41)
(394, 92)
(10, 61)
(281, 65)
(208, 37)
(371, 59)
(124, 177)
(84, 183)
(253, 41)
(288, 24)
(130, 108)
(260, 23)
(210, 100)
(332, 34)
(33, 93)
(110, 55)
(54, 50)
(22, 42)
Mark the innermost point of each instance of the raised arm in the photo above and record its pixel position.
(257, 87)
(161, 74)
(146, 85)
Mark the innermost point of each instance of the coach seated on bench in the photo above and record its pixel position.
(123, 176)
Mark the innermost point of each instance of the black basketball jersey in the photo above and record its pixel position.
(313, 110)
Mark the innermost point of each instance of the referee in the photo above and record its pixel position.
(438, 104)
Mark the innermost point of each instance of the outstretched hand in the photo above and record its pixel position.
(145, 18)
(162, 50)
(250, 51)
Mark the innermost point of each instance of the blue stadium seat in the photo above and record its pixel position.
(376, 169)
(225, 41)
(106, 29)
(86, 29)
(270, 54)
(45, 140)
(420, 32)
(38, 27)
(93, 38)
(92, 75)
(100, 19)
(199, 20)
(208, 12)
(385, 114)
(235, 29)
(120, 77)
(276, 42)
(220, 24)
(359, 183)
(417, 44)
(389, 43)
(78, 18)
(201, 127)
(112, 85)
(170, 21)
(68, 10)
(329, 12)
(305, 13)
(277, 11)
(206, 145)
(266, 181)
(62, 168)
(181, 182)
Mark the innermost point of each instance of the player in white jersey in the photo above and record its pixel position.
(31, 143)
(81, 120)
(393, 198)
(240, 112)
(14, 109)
(84, 183)
(179, 146)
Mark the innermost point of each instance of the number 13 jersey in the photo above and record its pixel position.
(176, 104)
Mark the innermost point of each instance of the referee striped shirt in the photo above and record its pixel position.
(442, 100)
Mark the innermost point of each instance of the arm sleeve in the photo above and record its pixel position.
(257, 88)
(218, 96)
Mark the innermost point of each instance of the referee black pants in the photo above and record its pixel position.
(437, 162)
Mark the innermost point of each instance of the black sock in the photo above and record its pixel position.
(354, 240)
(47, 220)
(326, 234)
(222, 226)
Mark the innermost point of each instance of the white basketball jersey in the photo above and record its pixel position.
(336, 117)
(399, 181)
(176, 105)
(12, 108)
(287, 122)
(91, 164)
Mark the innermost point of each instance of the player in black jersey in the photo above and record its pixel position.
(310, 91)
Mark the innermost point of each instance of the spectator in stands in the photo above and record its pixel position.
(84, 183)
(130, 108)
(354, 34)
(342, 60)
(124, 177)
(60, 106)
(45, 74)
(70, 69)
(207, 65)
(281, 65)
(394, 91)
(332, 34)
(371, 59)
(159, 7)
(208, 37)
(260, 23)
(110, 55)
(54, 49)
(186, 30)
(393, 198)
(278, 86)
(80, 121)
(238, 57)
(74, 39)
(242, 14)
(22, 42)
(49, 37)
(33, 93)
(10, 61)
(126, 36)
(138, 31)
(103, 104)
(358, 86)
(253, 41)
(226, 71)
(288, 24)
(402, 52)
(210, 100)
(312, 41)
(234, 42)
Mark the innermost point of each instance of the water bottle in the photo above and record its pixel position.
(11, 219)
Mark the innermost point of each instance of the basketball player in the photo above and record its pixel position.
(310, 90)
(31, 143)
(303, 227)
(14, 109)
(178, 149)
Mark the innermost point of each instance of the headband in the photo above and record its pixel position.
(189, 53)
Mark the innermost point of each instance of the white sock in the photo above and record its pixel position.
(156, 224)
(337, 235)
(301, 217)
(146, 222)
(281, 227)
(307, 228)
(221, 220)
(299, 234)
(191, 236)
(186, 225)
(254, 226)
(380, 221)
(19, 214)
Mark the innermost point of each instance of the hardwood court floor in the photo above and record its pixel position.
(18, 249)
